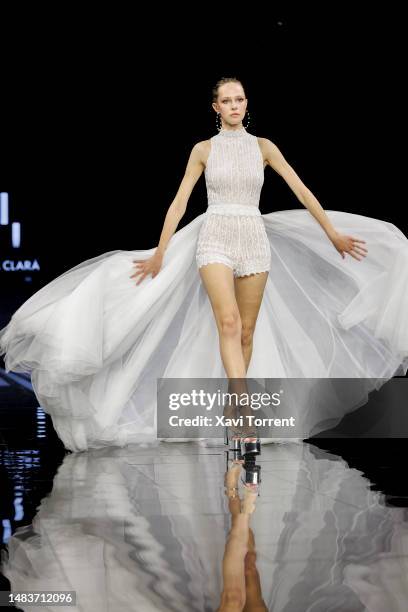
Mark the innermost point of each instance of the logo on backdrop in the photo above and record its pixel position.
(11, 237)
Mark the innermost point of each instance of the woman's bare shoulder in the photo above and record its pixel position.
(202, 150)
(263, 142)
(203, 145)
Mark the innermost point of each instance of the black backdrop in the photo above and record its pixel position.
(99, 116)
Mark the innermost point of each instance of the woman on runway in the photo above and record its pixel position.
(234, 293)
(233, 252)
(232, 272)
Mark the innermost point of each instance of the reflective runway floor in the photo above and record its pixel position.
(152, 528)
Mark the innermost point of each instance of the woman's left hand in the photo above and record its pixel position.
(349, 244)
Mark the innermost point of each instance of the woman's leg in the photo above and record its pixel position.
(249, 292)
(233, 594)
(233, 563)
(254, 601)
(218, 281)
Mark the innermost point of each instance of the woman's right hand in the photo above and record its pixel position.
(148, 266)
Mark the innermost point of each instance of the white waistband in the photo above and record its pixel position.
(233, 209)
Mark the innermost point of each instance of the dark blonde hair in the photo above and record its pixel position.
(222, 81)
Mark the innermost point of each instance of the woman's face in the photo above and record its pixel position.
(231, 104)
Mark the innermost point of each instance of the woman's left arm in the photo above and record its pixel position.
(275, 159)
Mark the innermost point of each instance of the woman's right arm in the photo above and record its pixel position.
(176, 210)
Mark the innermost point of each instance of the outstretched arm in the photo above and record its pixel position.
(178, 206)
(176, 210)
(343, 243)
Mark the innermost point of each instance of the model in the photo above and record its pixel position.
(234, 293)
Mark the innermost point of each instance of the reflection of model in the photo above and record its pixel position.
(154, 525)
(272, 298)
(241, 583)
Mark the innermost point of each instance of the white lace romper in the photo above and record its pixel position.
(233, 231)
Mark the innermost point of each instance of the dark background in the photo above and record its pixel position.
(100, 112)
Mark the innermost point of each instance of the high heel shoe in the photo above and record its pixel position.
(232, 439)
(250, 440)
(242, 439)
(242, 443)
(232, 433)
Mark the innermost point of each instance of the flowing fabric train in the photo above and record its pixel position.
(95, 342)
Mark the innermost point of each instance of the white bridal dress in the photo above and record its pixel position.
(96, 343)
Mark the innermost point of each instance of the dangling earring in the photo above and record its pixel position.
(219, 127)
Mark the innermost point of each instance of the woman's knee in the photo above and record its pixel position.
(247, 333)
(230, 323)
(250, 563)
(233, 599)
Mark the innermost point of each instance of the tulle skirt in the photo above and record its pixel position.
(95, 343)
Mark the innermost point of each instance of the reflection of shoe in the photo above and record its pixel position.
(252, 473)
(250, 446)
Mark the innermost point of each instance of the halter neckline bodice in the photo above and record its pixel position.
(234, 170)
(239, 133)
